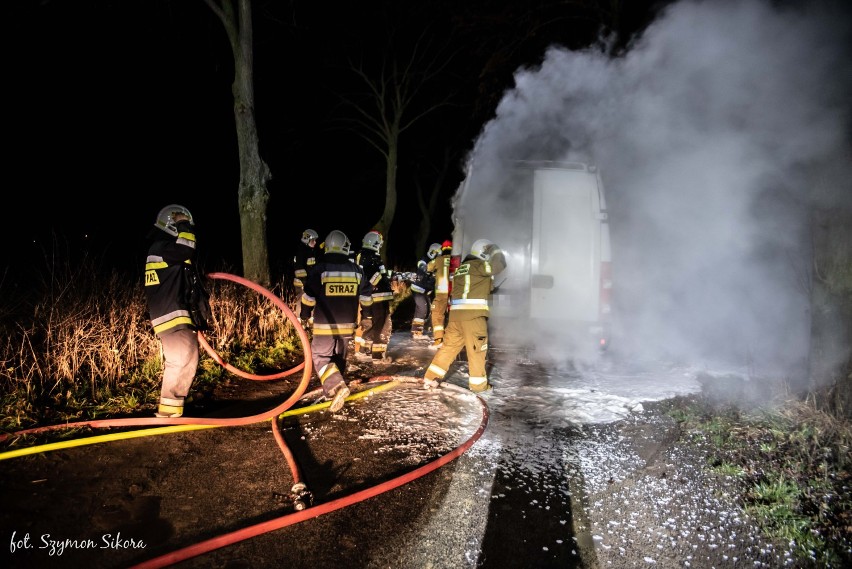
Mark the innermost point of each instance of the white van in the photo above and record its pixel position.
(550, 219)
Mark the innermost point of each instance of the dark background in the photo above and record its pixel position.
(119, 108)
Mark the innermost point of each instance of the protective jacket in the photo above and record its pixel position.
(423, 281)
(303, 263)
(332, 293)
(472, 284)
(165, 282)
(440, 266)
(375, 272)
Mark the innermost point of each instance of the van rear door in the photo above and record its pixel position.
(566, 246)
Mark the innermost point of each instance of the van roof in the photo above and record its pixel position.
(553, 165)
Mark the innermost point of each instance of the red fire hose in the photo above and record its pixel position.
(299, 487)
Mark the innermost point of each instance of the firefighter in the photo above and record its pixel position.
(440, 266)
(422, 286)
(375, 325)
(467, 326)
(332, 293)
(170, 255)
(303, 262)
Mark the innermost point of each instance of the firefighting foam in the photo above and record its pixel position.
(711, 133)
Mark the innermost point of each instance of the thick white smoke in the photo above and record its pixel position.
(712, 133)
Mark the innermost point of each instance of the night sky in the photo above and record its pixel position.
(119, 108)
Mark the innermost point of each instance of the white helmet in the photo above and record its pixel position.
(434, 250)
(373, 241)
(309, 234)
(166, 218)
(482, 249)
(337, 242)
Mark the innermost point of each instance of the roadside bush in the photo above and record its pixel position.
(793, 465)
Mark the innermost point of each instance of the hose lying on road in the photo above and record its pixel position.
(306, 366)
(180, 424)
(318, 510)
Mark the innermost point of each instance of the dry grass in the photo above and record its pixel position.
(250, 327)
(77, 345)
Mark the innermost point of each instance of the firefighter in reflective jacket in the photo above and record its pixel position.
(172, 250)
(303, 262)
(467, 326)
(332, 294)
(440, 267)
(375, 325)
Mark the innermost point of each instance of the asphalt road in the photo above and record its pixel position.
(493, 506)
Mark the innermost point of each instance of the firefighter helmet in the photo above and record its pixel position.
(337, 242)
(309, 234)
(447, 246)
(482, 249)
(434, 250)
(373, 241)
(166, 218)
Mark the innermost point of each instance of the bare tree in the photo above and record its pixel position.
(427, 200)
(388, 108)
(253, 194)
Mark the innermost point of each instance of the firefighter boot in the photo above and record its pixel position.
(339, 398)
(481, 388)
(417, 330)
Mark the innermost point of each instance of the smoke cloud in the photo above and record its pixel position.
(713, 133)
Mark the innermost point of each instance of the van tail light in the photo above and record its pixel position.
(606, 289)
(605, 306)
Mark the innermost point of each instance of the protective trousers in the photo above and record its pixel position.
(472, 335)
(328, 354)
(180, 355)
(365, 322)
(439, 315)
(421, 312)
(299, 291)
(377, 336)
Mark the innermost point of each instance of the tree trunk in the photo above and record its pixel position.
(831, 310)
(253, 193)
(254, 172)
(384, 223)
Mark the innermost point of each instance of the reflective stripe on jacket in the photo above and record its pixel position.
(375, 272)
(333, 291)
(441, 267)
